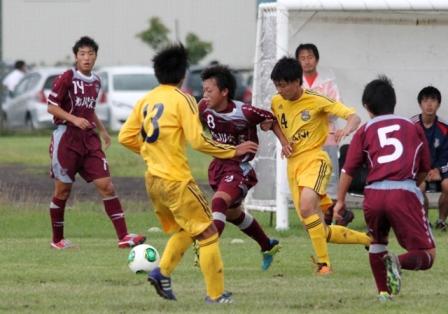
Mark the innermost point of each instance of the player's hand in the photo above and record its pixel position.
(286, 150)
(340, 134)
(106, 139)
(246, 147)
(336, 209)
(82, 123)
(434, 175)
(266, 125)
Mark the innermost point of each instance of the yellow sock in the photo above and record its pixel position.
(211, 266)
(317, 233)
(344, 235)
(174, 250)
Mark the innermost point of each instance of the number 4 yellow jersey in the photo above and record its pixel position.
(304, 121)
(158, 128)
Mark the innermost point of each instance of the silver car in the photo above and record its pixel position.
(121, 87)
(27, 106)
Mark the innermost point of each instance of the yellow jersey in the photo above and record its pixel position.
(158, 128)
(304, 121)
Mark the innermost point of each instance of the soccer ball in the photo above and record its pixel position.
(143, 258)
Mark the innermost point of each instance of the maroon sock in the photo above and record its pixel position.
(57, 210)
(416, 260)
(250, 226)
(116, 215)
(379, 270)
(219, 208)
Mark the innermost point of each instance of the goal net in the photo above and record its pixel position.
(357, 40)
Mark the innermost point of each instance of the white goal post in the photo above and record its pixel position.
(357, 40)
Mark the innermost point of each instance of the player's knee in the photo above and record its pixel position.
(107, 189)
(233, 213)
(207, 233)
(219, 204)
(62, 193)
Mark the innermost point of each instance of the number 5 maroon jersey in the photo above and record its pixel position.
(393, 148)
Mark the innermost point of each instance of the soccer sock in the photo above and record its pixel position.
(376, 255)
(416, 260)
(250, 226)
(212, 266)
(344, 235)
(115, 212)
(219, 207)
(317, 233)
(175, 248)
(57, 210)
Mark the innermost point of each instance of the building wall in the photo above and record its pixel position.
(43, 31)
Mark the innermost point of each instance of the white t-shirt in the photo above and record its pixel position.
(12, 79)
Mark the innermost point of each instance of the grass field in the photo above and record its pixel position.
(32, 151)
(95, 279)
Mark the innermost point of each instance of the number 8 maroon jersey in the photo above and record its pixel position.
(392, 147)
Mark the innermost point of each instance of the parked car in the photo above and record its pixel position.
(193, 85)
(27, 106)
(121, 87)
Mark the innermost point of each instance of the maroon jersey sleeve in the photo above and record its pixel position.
(256, 115)
(355, 155)
(60, 89)
(202, 106)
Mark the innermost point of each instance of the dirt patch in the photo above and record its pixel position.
(21, 184)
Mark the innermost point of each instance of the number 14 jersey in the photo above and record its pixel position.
(393, 148)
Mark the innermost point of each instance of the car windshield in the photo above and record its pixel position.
(134, 82)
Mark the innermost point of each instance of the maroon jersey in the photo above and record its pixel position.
(76, 94)
(236, 124)
(393, 148)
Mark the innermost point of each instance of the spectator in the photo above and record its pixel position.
(436, 133)
(13, 78)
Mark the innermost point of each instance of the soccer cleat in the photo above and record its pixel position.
(268, 256)
(162, 284)
(225, 298)
(131, 240)
(322, 269)
(63, 245)
(393, 273)
(384, 297)
(441, 225)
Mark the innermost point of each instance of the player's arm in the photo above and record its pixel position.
(354, 159)
(102, 131)
(352, 124)
(129, 135)
(342, 111)
(194, 134)
(424, 165)
(267, 122)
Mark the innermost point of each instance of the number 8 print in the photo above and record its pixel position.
(157, 112)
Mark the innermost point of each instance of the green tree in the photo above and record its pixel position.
(156, 35)
(197, 49)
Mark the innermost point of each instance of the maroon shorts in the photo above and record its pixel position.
(401, 210)
(72, 151)
(232, 177)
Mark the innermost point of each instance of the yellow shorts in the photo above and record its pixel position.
(313, 171)
(179, 205)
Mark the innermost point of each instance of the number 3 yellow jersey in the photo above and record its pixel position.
(158, 128)
(304, 121)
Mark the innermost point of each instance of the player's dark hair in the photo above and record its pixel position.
(429, 92)
(379, 96)
(19, 64)
(311, 47)
(170, 64)
(287, 69)
(223, 77)
(85, 41)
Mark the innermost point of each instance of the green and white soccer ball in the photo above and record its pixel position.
(143, 258)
